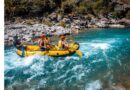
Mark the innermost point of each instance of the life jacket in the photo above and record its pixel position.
(60, 44)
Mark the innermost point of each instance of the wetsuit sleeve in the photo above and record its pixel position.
(16, 42)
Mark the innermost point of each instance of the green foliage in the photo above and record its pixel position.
(68, 6)
(18, 20)
(39, 8)
(116, 15)
(47, 22)
(8, 7)
(29, 21)
(62, 24)
(128, 15)
(98, 4)
(81, 9)
(101, 7)
(28, 8)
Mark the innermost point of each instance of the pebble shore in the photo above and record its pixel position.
(26, 31)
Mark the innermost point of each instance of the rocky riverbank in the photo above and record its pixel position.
(57, 24)
(26, 32)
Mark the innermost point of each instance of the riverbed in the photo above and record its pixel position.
(105, 65)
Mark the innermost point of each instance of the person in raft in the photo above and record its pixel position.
(17, 42)
(44, 43)
(62, 44)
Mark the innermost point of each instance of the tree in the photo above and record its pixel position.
(68, 6)
(8, 8)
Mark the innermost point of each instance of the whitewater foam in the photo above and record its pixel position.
(94, 85)
(101, 45)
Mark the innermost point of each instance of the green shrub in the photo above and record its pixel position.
(29, 21)
(128, 15)
(62, 24)
(81, 9)
(68, 6)
(47, 22)
(38, 8)
(18, 20)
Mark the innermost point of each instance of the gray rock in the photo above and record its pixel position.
(26, 31)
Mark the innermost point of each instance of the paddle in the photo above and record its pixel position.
(78, 52)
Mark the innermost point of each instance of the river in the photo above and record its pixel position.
(105, 65)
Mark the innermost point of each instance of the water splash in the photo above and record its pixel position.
(94, 85)
(100, 45)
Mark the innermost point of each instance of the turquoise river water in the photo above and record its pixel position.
(105, 65)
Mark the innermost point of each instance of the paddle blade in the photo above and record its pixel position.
(79, 53)
(71, 40)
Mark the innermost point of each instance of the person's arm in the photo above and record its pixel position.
(40, 43)
(66, 42)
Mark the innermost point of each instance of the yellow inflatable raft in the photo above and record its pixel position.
(34, 49)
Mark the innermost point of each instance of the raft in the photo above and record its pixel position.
(35, 49)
